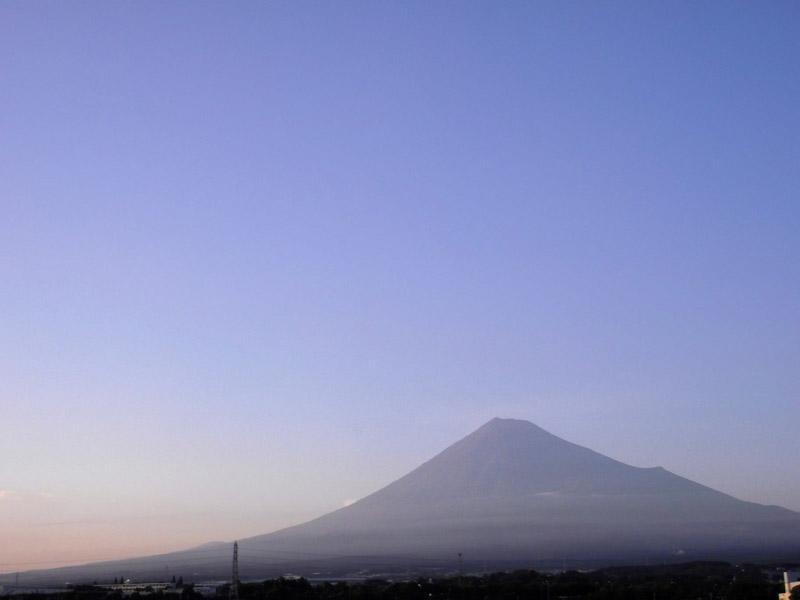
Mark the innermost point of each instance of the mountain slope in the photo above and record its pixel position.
(508, 493)
(511, 489)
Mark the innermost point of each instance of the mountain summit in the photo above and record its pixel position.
(508, 493)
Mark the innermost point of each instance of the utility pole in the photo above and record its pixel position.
(233, 594)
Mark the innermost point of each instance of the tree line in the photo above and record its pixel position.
(690, 581)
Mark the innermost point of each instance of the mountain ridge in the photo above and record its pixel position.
(512, 489)
(512, 492)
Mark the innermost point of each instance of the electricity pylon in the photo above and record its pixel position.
(233, 594)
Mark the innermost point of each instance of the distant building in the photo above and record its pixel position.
(142, 588)
(209, 588)
(788, 586)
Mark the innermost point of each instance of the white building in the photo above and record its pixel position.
(129, 588)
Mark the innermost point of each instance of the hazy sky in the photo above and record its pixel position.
(260, 259)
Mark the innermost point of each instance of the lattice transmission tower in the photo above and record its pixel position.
(233, 594)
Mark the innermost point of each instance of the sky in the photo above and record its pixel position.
(258, 260)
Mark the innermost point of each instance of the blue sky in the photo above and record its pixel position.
(257, 260)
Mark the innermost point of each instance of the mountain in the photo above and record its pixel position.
(512, 490)
(510, 493)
